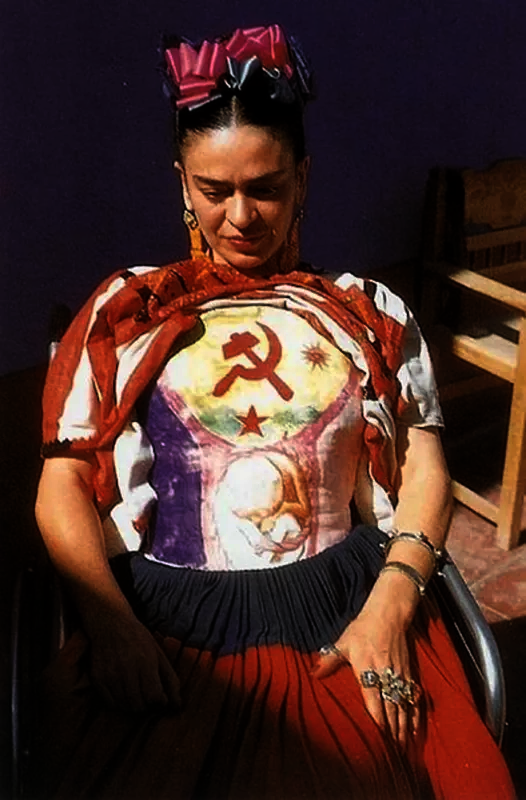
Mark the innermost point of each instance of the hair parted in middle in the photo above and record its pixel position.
(254, 76)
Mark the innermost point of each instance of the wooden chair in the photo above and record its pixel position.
(474, 253)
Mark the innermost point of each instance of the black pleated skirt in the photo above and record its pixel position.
(303, 605)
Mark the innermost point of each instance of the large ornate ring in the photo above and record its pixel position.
(396, 690)
(329, 649)
(370, 679)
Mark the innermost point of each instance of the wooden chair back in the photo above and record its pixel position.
(474, 253)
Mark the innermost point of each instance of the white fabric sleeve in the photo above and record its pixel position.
(415, 375)
(80, 411)
(417, 381)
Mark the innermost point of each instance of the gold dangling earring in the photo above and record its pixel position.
(290, 257)
(194, 231)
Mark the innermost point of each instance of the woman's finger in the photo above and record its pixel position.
(399, 730)
(328, 664)
(391, 714)
(158, 683)
(406, 714)
(106, 682)
(375, 706)
(409, 717)
(388, 686)
(415, 717)
(152, 688)
(131, 687)
(403, 726)
(170, 682)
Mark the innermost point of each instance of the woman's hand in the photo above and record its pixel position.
(376, 640)
(127, 665)
(129, 668)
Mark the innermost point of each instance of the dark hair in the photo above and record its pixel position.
(272, 97)
(284, 122)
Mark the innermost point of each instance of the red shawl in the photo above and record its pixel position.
(170, 297)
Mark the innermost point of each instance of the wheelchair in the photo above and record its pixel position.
(41, 620)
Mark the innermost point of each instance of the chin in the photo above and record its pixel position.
(245, 262)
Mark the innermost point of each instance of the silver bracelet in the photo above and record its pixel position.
(418, 537)
(409, 571)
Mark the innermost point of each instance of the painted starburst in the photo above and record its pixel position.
(316, 356)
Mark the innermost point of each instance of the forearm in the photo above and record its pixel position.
(127, 665)
(424, 504)
(424, 500)
(72, 531)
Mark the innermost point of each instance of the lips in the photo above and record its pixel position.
(245, 243)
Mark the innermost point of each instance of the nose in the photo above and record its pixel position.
(241, 212)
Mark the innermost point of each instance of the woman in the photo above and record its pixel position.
(207, 425)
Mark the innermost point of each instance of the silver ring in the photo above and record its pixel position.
(370, 679)
(396, 690)
(331, 649)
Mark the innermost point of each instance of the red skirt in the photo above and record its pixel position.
(255, 723)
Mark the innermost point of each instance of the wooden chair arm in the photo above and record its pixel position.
(476, 282)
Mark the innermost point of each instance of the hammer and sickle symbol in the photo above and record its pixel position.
(243, 344)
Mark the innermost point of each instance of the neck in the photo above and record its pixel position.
(280, 263)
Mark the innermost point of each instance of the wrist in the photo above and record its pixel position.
(416, 557)
(102, 614)
(418, 542)
(394, 598)
(409, 572)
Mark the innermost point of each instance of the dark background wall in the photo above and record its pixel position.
(86, 184)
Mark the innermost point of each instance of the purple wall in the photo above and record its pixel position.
(85, 180)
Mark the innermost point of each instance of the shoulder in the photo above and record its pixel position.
(118, 280)
(385, 300)
(163, 282)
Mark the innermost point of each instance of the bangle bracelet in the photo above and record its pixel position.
(413, 536)
(409, 571)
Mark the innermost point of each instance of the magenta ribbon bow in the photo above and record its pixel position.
(196, 72)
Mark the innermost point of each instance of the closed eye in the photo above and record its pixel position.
(264, 192)
(267, 187)
(216, 195)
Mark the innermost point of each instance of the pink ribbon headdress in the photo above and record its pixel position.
(201, 73)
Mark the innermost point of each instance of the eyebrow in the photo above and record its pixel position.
(214, 183)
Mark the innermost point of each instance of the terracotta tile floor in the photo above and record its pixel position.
(496, 577)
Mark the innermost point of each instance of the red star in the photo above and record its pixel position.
(250, 422)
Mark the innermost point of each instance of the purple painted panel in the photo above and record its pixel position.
(176, 536)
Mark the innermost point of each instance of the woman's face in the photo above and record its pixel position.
(245, 188)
